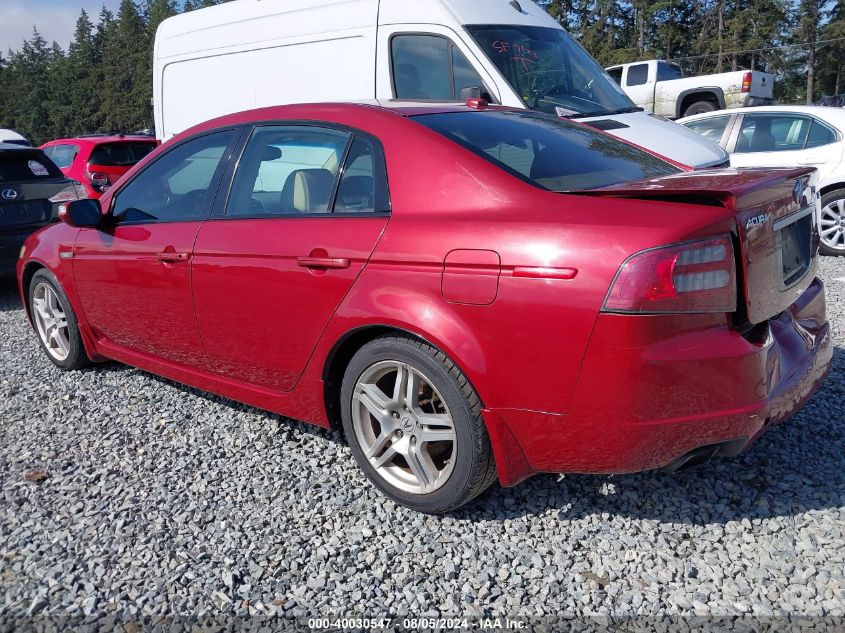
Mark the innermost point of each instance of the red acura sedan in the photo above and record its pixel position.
(471, 293)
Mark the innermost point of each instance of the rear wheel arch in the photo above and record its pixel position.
(690, 97)
(341, 353)
(837, 186)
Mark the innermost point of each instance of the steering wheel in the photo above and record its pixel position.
(191, 200)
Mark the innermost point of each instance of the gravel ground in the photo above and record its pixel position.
(154, 499)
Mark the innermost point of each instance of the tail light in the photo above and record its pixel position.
(695, 276)
(72, 192)
(746, 82)
(98, 180)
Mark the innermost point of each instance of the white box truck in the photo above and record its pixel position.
(252, 53)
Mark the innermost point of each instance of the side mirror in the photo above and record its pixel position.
(81, 213)
(470, 92)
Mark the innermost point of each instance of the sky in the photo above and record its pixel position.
(55, 19)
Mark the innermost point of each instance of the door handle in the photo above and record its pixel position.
(322, 262)
(172, 258)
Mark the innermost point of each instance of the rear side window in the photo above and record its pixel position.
(288, 170)
(62, 155)
(297, 169)
(546, 151)
(773, 133)
(119, 154)
(711, 128)
(819, 135)
(363, 186)
(616, 75)
(23, 165)
(637, 75)
(668, 72)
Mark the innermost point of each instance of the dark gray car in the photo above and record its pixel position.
(31, 189)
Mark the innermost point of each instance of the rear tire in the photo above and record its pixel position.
(833, 222)
(422, 443)
(700, 107)
(55, 322)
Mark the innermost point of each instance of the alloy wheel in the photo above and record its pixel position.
(832, 225)
(404, 427)
(51, 321)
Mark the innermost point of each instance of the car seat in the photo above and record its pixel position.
(307, 191)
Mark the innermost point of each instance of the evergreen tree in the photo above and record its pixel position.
(81, 79)
(103, 82)
(125, 94)
(28, 88)
(809, 25)
(832, 52)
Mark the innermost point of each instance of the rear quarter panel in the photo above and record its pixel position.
(524, 349)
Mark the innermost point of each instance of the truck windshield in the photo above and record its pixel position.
(550, 71)
(545, 151)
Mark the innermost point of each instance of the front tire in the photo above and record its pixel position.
(414, 425)
(832, 224)
(700, 107)
(55, 322)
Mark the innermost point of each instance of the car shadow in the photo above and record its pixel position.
(9, 297)
(796, 467)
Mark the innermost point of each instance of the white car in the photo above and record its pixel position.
(12, 138)
(786, 136)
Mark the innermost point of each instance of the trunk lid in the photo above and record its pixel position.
(776, 233)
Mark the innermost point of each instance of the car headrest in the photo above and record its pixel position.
(307, 191)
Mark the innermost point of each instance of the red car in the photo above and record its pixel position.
(471, 293)
(98, 160)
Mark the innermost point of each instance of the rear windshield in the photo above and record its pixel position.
(22, 165)
(546, 151)
(120, 154)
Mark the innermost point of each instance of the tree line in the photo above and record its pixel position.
(102, 81)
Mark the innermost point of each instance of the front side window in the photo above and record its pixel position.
(431, 67)
(773, 133)
(637, 75)
(616, 74)
(177, 186)
(712, 128)
(546, 151)
(62, 155)
(550, 71)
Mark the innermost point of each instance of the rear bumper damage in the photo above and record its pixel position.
(654, 393)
